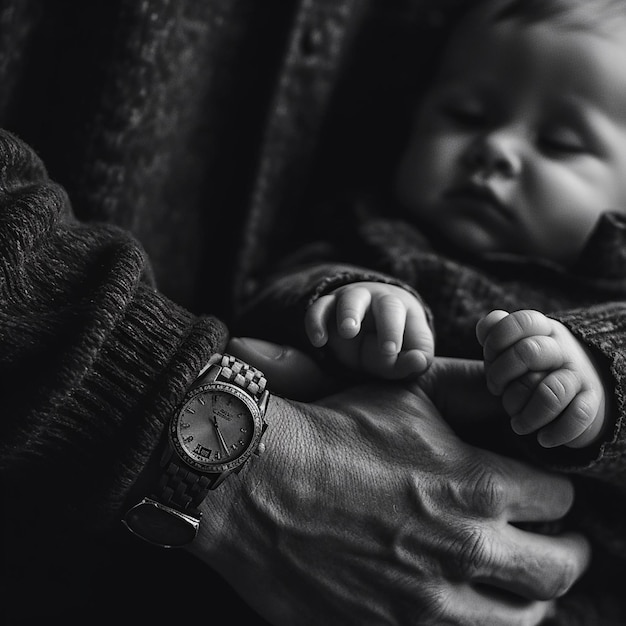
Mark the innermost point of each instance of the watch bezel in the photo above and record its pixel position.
(213, 467)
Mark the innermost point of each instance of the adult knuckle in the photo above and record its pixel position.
(435, 607)
(471, 552)
(485, 491)
(567, 575)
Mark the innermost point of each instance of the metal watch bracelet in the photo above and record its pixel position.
(179, 486)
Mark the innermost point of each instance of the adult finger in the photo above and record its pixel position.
(376, 362)
(519, 491)
(482, 605)
(390, 319)
(289, 372)
(352, 303)
(531, 565)
(411, 363)
(513, 328)
(316, 320)
(418, 334)
(471, 402)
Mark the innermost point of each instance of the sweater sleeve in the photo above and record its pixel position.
(93, 358)
(602, 328)
(599, 471)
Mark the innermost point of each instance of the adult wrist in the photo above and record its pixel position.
(214, 431)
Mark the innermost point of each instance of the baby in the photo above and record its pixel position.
(517, 150)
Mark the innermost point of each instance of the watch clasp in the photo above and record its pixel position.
(152, 521)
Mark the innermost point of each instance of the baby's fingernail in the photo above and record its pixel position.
(423, 360)
(349, 323)
(318, 339)
(389, 347)
(519, 428)
(546, 441)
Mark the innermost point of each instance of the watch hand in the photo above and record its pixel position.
(219, 433)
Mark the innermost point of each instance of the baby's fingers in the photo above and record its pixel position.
(498, 332)
(486, 324)
(352, 305)
(390, 318)
(551, 396)
(317, 318)
(419, 341)
(577, 426)
(532, 354)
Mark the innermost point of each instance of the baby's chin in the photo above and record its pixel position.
(473, 239)
(471, 242)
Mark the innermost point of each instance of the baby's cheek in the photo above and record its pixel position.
(562, 207)
(427, 169)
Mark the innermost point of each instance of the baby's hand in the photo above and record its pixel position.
(373, 327)
(545, 376)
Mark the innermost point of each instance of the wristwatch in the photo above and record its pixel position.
(216, 429)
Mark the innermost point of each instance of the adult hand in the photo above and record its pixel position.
(366, 509)
(289, 372)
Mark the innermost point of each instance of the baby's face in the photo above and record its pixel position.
(521, 143)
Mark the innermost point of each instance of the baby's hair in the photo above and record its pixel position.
(577, 14)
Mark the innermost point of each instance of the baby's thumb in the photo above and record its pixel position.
(486, 324)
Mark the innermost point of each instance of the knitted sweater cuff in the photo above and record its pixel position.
(130, 392)
(603, 329)
(109, 424)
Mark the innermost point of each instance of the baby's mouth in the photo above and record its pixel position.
(481, 198)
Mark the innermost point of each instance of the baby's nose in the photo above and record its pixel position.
(492, 155)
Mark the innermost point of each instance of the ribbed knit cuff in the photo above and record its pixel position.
(128, 395)
(603, 329)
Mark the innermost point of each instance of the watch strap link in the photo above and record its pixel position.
(181, 488)
(242, 374)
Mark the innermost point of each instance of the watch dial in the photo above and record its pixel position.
(215, 427)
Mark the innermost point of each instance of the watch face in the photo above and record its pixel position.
(217, 428)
